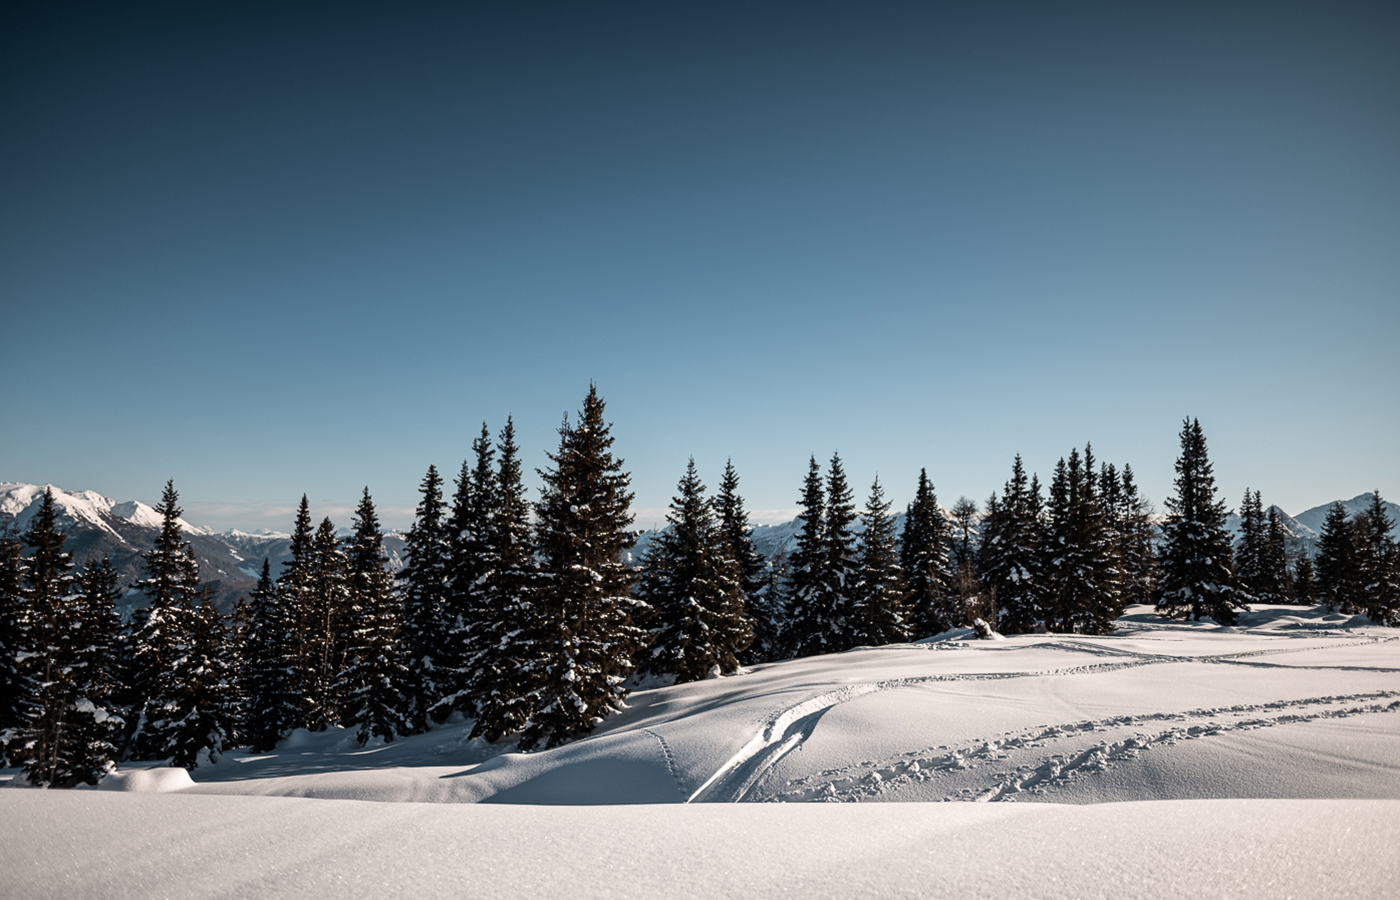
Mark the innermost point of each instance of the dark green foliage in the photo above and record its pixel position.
(1012, 564)
(425, 631)
(1274, 585)
(966, 589)
(270, 684)
(1338, 584)
(508, 661)
(1196, 573)
(14, 638)
(1250, 566)
(691, 583)
(803, 632)
(295, 590)
(1304, 580)
(923, 554)
(878, 616)
(1080, 554)
(472, 570)
(1378, 563)
(371, 683)
(762, 605)
(1137, 553)
(582, 607)
(329, 620)
(193, 710)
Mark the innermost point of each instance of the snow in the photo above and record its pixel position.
(1164, 760)
(22, 501)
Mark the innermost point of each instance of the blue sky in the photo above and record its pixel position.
(276, 250)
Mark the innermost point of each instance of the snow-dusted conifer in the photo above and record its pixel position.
(878, 616)
(14, 638)
(1274, 584)
(923, 553)
(330, 621)
(692, 584)
(582, 609)
(1197, 577)
(762, 607)
(803, 632)
(296, 593)
(271, 694)
(424, 586)
(1012, 563)
(193, 711)
(1081, 563)
(472, 569)
(370, 684)
(1250, 567)
(1338, 584)
(1378, 563)
(1137, 551)
(1304, 580)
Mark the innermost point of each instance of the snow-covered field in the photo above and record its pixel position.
(1165, 760)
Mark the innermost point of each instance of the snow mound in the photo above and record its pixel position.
(147, 781)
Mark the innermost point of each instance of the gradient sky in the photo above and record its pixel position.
(268, 251)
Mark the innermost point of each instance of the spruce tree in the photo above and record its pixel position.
(691, 583)
(1012, 563)
(1137, 553)
(329, 620)
(193, 711)
(162, 631)
(1378, 563)
(95, 718)
(923, 554)
(472, 570)
(1338, 584)
(14, 639)
(508, 666)
(841, 574)
(424, 585)
(1081, 563)
(1304, 580)
(878, 616)
(371, 683)
(1250, 566)
(965, 585)
(804, 628)
(1274, 585)
(297, 599)
(582, 608)
(1196, 575)
(762, 606)
(271, 686)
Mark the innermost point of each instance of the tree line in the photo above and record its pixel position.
(527, 620)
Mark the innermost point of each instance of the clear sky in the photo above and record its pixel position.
(270, 250)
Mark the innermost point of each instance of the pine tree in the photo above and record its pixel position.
(14, 639)
(582, 609)
(193, 711)
(1378, 563)
(841, 573)
(1012, 563)
(371, 683)
(270, 682)
(1250, 566)
(295, 590)
(1137, 554)
(1196, 575)
(163, 631)
(804, 628)
(923, 554)
(879, 616)
(330, 620)
(1338, 586)
(1081, 563)
(472, 570)
(691, 583)
(965, 583)
(508, 666)
(1304, 580)
(424, 584)
(1274, 586)
(94, 714)
(761, 606)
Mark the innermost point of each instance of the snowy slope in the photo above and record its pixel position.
(1164, 760)
(1313, 518)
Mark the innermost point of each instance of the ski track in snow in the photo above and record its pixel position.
(787, 729)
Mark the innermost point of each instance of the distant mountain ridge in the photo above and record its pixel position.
(96, 525)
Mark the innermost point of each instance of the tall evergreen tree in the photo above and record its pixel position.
(1274, 584)
(841, 573)
(878, 616)
(507, 666)
(965, 584)
(193, 711)
(1250, 566)
(1196, 575)
(163, 630)
(1338, 584)
(923, 554)
(271, 686)
(1304, 580)
(371, 683)
(14, 639)
(1081, 563)
(804, 627)
(583, 604)
(425, 629)
(762, 606)
(329, 619)
(1137, 553)
(691, 583)
(472, 572)
(296, 593)
(1012, 562)
(1378, 563)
